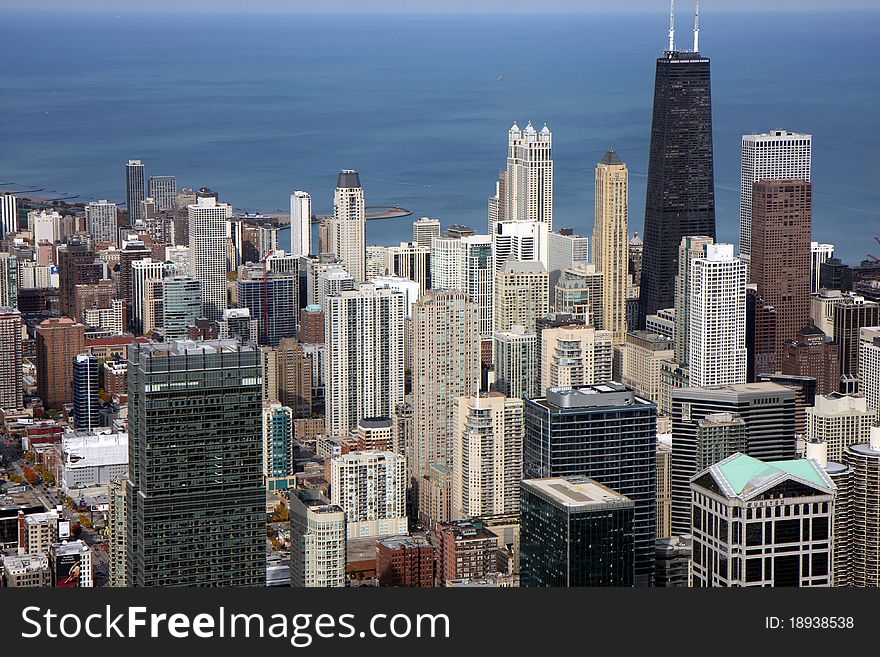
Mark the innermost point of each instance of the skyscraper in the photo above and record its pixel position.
(101, 221)
(851, 314)
(59, 341)
(371, 488)
(575, 532)
(317, 542)
(196, 501)
(134, 191)
(864, 500)
(86, 401)
(520, 240)
(521, 295)
(487, 455)
(163, 191)
(575, 356)
(364, 360)
(781, 225)
(181, 306)
(347, 227)
(517, 371)
(425, 230)
(607, 433)
(446, 365)
(272, 299)
(11, 391)
(774, 155)
(278, 469)
(811, 353)
(8, 215)
(717, 318)
(564, 250)
(691, 247)
(869, 364)
(530, 175)
(466, 264)
(8, 280)
(819, 253)
(300, 223)
(680, 196)
(839, 421)
(610, 241)
(207, 247)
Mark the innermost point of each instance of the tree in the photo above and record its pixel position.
(29, 474)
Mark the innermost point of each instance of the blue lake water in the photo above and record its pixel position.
(256, 106)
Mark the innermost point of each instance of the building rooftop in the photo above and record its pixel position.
(348, 179)
(26, 563)
(591, 396)
(610, 157)
(743, 476)
(185, 347)
(577, 493)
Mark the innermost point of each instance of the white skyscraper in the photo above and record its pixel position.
(300, 224)
(101, 221)
(371, 487)
(364, 361)
(425, 230)
(839, 421)
(717, 318)
(347, 228)
(819, 253)
(8, 215)
(207, 248)
(774, 155)
(564, 249)
(317, 542)
(163, 191)
(530, 175)
(143, 273)
(869, 365)
(466, 264)
(575, 356)
(487, 455)
(520, 240)
(45, 225)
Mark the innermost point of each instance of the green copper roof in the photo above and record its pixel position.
(740, 470)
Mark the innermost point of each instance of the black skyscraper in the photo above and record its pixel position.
(681, 186)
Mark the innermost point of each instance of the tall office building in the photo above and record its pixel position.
(11, 390)
(9, 280)
(610, 241)
(412, 261)
(768, 411)
(864, 502)
(839, 421)
(497, 208)
(271, 297)
(819, 253)
(680, 198)
(8, 215)
(851, 314)
(300, 223)
(717, 318)
(163, 191)
(775, 155)
(466, 264)
(59, 340)
(607, 433)
(76, 266)
(575, 532)
(812, 353)
(196, 511)
(364, 360)
(781, 225)
(565, 249)
(517, 373)
(134, 191)
(347, 227)
(278, 470)
(487, 455)
(530, 175)
(101, 221)
(778, 518)
(371, 488)
(521, 295)
(145, 294)
(691, 248)
(317, 542)
(869, 365)
(207, 247)
(424, 231)
(643, 356)
(86, 386)
(446, 366)
(181, 306)
(575, 356)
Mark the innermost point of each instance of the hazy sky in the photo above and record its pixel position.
(424, 6)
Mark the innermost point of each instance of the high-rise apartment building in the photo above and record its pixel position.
(819, 253)
(207, 246)
(768, 411)
(530, 175)
(9, 282)
(412, 261)
(134, 191)
(775, 523)
(347, 228)
(364, 360)
(116, 541)
(521, 295)
(76, 266)
(11, 390)
(424, 231)
(86, 386)
(59, 341)
(609, 434)
(851, 314)
(691, 248)
(775, 155)
(146, 293)
(8, 215)
(717, 318)
(101, 221)
(781, 225)
(371, 488)
(575, 356)
(517, 372)
(839, 421)
(579, 291)
(300, 223)
(565, 249)
(575, 532)
(278, 469)
(181, 306)
(487, 455)
(294, 378)
(869, 365)
(272, 298)
(610, 241)
(195, 465)
(863, 512)
(524, 241)
(163, 191)
(680, 197)
(466, 264)
(811, 353)
(643, 355)
(317, 542)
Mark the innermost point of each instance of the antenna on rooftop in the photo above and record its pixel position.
(696, 25)
(671, 25)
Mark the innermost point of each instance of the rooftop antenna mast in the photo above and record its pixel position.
(671, 25)
(696, 25)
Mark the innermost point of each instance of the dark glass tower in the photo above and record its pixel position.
(86, 402)
(195, 497)
(681, 186)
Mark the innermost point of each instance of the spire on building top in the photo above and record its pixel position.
(696, 25)
(671, 25)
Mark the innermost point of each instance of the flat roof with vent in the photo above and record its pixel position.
(577, 493)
